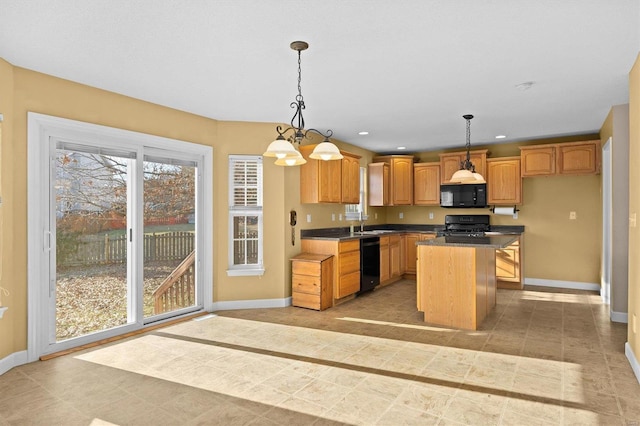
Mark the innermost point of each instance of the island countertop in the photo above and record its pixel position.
(488, 241)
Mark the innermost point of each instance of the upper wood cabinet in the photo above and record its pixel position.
(580, 158)
(322, 181)
(379, 184)
(350, 178)
(426, 184)
(401, 178)
(450, 163)
(504, 183)
(575, 158)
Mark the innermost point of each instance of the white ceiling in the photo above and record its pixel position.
(403, 70)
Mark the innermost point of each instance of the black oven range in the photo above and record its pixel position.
(465, 226)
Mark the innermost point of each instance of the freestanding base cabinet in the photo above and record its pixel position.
(456, 286)
(312, 281)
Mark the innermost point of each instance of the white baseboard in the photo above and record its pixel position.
(13, 360)
(622, 317)
(575, 285)
(633, 360)
(251, 304)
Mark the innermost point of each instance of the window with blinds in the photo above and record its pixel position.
(245, 215)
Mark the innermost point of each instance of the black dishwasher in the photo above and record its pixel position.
(369, 263)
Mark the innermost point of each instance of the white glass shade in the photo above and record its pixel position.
(326, 151)
(463, 176)
(295, 159)
(478, 178)
(280, 148)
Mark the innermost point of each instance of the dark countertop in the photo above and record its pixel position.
(343, 233)
(490, 241)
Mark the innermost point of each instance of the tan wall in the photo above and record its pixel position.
(9, 342)
(634, 206)
(49, 95)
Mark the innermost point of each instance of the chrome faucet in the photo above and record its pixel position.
(361, 221)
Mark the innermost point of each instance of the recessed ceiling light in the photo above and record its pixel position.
(525, 86)
(363, 133)
(402, 147)
(501, 136)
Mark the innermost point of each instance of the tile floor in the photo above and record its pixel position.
(543, 356)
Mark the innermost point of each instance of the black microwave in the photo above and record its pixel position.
(463, 195)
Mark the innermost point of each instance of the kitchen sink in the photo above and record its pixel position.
(372, 232)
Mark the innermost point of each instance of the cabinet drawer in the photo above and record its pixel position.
(345, 246)
(305, 284)
(349, 262)
(305, 300)
(349, 284)
(306, 268)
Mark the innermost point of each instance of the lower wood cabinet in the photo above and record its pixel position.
(312, 281)
(395, 256)
(385, 261)
(346, 273)
(411, 251)
(509, 266)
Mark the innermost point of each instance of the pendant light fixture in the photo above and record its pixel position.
(284, 149)
(467, 172)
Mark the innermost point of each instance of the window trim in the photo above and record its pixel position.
(234, 270)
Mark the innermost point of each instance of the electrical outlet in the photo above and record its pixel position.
(430, 215)
(375, 215)
(573, 216)
(308, 218)
(401, 215)
(333, 217)
(340, 217)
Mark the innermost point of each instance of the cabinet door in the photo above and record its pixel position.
(348, 284)
(579, 158)
(426, 184)
(385, 264)
(378, 184)
(538, 161)
(330, 181)
(449, 164)
(394, 256)
(508, 263)
(504, 183)
(402, 181)
(410, 252)
(350, 180)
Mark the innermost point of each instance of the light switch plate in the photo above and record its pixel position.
(430, 215)
(333, 217)
(401, 215)
(308, 218)
(573, 215)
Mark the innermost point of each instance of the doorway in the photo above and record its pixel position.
(117, 229)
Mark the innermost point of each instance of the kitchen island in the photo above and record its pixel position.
(456, 279)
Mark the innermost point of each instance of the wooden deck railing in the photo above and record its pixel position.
(178, 289)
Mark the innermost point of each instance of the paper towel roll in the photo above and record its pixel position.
(509, 211)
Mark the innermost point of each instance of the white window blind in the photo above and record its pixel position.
(245, 215)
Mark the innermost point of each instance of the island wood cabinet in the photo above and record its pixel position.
(509, 266)
(462, 293)
(504, 183)
(450, 163)
(325, 182)
(400, 179)
(379, 184)
(312, 281)
(426, 184)
(346, 274)
(574, 158)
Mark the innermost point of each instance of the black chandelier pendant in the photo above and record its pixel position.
(283, 147)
